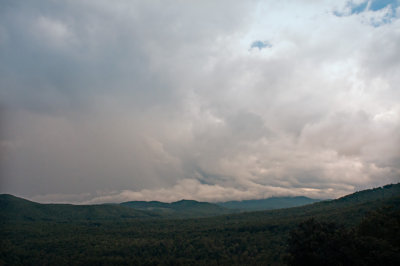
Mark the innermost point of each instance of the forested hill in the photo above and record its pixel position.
(372, 194)
(268, 204)
(17, 209)
(179, 209)
(361, 228)
(349, 209)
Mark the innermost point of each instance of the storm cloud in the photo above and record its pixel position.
(111, 101)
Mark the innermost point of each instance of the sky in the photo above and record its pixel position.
(110, 101)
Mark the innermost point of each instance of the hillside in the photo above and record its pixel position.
(349, 209)
(179, 209)
(268, 204)
(251, 238)
(379, 193)
(18, 209)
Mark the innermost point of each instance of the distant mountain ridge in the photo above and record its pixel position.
(180, 209)
(14, 208)
(113, 234)
(17, 209)
(268, 204)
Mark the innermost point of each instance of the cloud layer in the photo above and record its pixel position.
(107, 102)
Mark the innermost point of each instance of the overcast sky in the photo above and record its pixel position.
(110, 101)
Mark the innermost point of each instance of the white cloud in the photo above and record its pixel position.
(167, 101)
(193, 189)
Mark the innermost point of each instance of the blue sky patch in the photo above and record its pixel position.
(260, 44)
(356, 9)
(379, 4)
(371, 5)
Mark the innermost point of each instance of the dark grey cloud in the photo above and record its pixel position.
(132, 100)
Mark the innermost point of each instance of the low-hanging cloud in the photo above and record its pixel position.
(110, 102)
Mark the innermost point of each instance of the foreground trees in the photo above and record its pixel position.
(363, 233)
(375, 241)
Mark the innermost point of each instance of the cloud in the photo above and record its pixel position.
(187, 189)
(112, 102)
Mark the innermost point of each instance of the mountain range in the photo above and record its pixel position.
(268, 204)
(19, 209)
(196, 233)
(14, 208)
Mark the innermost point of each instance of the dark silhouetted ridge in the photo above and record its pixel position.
(268, 204)
(179, 209)
(18, 209)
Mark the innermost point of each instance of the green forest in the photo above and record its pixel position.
(359, 229)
